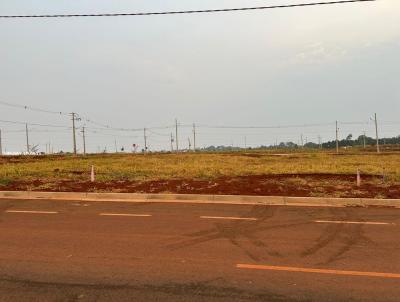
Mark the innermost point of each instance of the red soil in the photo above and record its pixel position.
(329, 185)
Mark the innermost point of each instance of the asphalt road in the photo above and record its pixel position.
(107, 251)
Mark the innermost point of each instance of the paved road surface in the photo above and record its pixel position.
(107, 251)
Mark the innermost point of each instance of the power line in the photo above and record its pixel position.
(264, 127)
(38, 131)
(183, 11)
(278, 126)
(32, 108)
(99, 133)
(34, 124)
(130, 129)
(151, 129)
(103, 126)
(157, 133)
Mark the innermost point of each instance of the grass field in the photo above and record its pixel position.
(277, 173)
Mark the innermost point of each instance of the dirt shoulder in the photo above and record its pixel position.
(303, 185)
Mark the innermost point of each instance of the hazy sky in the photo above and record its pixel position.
(257, 68)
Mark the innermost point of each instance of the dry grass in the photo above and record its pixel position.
(196, 166)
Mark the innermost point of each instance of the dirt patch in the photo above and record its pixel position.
(307, 185)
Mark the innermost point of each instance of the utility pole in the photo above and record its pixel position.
(319, 141)
(337, 137)
(73, 131)
(145, 140)
(27, 139)
(1, 146)
(172, 145)
(364, 140)
(84, 140)
(176, 135)
(377, 136)
(190, 145)
(301, 140)
(245, 143)
(115, 143)
(194, 137)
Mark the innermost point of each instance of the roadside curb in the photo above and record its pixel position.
(194, 198)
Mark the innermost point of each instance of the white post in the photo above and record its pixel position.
(92, 177)
(377, 137)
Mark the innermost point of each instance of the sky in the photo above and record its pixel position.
(294, 66)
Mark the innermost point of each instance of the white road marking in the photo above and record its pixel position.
(127, 215)
(354, 222)
(31, 212)
(228, 218)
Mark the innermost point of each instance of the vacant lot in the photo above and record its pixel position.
(252, 173)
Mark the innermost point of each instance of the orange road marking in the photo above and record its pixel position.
(318, 271)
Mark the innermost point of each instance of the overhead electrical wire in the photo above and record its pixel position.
(32, 108)
(34, 124)
(78, 118)
(112, 135)
(264, 127)
(104, 127)
(159, 134)
(180, 12)
(130, 129)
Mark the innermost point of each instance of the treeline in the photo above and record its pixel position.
(347, 142)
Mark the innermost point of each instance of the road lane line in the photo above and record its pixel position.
(126, 215)
(31, 212)
(318, 271)
(354, 222)
(228, 218)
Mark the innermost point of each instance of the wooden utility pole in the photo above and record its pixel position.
(27, 139)
(189, 143)
(84, 140)
(145, 140)
(73, 131)
(172, 143)
(194, 137)
(1, 146)
(176, 135)
(377, 136)
(337, 137)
